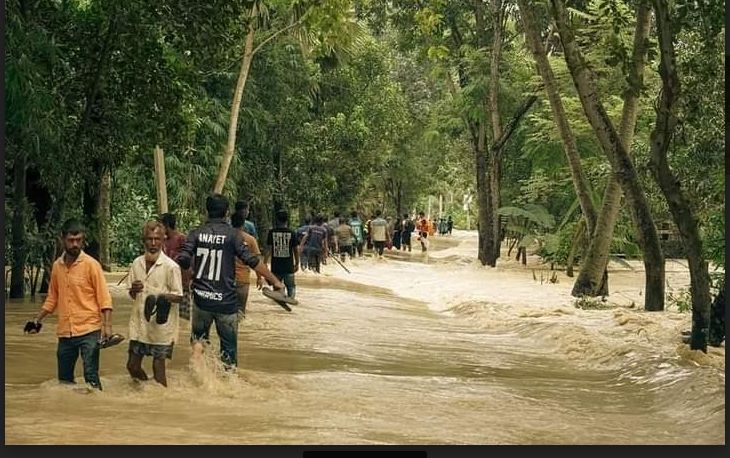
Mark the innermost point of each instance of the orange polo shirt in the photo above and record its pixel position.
(78, 294)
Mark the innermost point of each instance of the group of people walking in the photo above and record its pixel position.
(205, 271)
(203, 277)
(350, 237)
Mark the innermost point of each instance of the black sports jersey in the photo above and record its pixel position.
(212, 250)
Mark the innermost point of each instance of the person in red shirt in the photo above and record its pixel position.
(424, 228)
(174, 241)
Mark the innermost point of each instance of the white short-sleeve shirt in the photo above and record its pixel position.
(163, 278)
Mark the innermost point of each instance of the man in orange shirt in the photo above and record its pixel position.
(424, 229)
(243, 272)
(78, 294)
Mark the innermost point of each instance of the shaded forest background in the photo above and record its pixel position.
(582, 129)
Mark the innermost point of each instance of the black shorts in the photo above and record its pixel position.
(156, 351)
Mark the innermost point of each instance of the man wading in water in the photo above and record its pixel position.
(155, 284)
(79, 294)
(212, 249)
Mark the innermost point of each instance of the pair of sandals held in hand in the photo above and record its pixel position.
(34, 327)
(158, 306)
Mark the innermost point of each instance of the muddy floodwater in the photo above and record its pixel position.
(411, 349)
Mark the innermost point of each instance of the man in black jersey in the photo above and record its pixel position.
(212, 249)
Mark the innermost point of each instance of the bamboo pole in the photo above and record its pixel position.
(160, 182)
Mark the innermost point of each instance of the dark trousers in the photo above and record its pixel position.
(357, 249)
(314, 258)
(226, 325)
(68, 352)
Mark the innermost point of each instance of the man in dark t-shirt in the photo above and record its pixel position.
(212, 249)
(282, 252)
(314, 244)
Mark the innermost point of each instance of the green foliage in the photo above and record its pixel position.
(556, 246)
(126, 225)
(335, 116)
(680, 299)
(527, 224)
(590, 303)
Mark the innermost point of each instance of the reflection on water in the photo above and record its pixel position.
(357, 364)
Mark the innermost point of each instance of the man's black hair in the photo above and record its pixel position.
(241, 205)
(216, 205)
(377, 213)
(282, 217)
(72, 226)
(169, 220)
(353, 214)
(237, 220)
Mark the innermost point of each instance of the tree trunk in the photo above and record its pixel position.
(20, 249)
(621, 163)
(593, 277)
(511, 246)
(579, 233)
(104, 213)
(679, 205)
(236, 105)
(495, 157)
(54, 248)
(484, 202)
(485, 213)
(90, 207)
(717, 319)
(580, 182)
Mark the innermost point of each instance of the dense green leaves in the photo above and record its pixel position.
(361, 104)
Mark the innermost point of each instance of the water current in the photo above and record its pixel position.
(411, 349)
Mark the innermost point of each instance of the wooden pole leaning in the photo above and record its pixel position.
(160, 181)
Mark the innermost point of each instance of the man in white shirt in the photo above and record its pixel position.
(380, 233)
(155, 284)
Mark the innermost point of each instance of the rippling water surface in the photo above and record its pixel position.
(398, 352)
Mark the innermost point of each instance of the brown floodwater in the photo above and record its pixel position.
(356, 363)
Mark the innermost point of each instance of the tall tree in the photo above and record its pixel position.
(593, 277)
(679, 204)
(295, 15)
(621, 162)
(580, 182)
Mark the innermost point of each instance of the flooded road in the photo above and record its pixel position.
(402, 351)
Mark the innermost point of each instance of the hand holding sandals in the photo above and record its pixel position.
(32, 327)
(137, 287)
